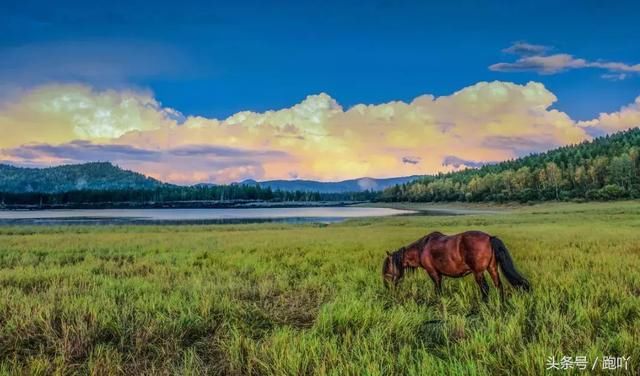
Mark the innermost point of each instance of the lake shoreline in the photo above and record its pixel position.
(415, 208)
(232, 204)
(193, 216)
(449, 208)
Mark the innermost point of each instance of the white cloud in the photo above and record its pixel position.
(541, 64)
(533, 58)
(627, 117)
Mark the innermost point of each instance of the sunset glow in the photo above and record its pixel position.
(316, 138)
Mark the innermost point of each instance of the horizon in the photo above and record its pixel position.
(204, 182)
(202, 95)
(533, 154)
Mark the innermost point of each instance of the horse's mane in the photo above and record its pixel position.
(420, 243)
(397, 257)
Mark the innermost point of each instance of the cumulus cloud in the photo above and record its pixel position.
(62, 113)
(314, 139)
(534, 58)
(627, 117)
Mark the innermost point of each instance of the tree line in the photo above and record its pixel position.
(173, 194)
(605, 168)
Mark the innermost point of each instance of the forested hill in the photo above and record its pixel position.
(602, 169)
(105, 185)
(88, 176)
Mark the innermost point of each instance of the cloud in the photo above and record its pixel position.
(457, 162)
(411, 159)
(520, 146)
(86, 151)
(625, 118)
(367, 184)
(525, 49)
(314, 139)
(615, 76)
(78, 152)
(206, 161)
(62, 113)
(541, 64)
(534, 59)
(223, 152)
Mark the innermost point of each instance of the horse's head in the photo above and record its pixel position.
(393, 267)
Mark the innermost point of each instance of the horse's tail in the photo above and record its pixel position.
(506, 265)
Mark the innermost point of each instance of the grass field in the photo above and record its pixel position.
(275, 299)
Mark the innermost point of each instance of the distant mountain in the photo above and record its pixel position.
(106, 176)
(353, 185)
(88, 176)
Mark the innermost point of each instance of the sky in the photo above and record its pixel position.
(219, 92)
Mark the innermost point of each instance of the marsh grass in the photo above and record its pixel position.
(276, 299)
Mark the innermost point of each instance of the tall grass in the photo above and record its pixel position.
(277, 299)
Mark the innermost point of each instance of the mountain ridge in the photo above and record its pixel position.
(107, 176)
(342, 186)
(73, 177)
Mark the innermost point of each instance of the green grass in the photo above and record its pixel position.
(276, 299)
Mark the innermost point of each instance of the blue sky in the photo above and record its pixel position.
(335, 90)
(214, 59)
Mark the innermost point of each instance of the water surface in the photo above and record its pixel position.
(124, 216)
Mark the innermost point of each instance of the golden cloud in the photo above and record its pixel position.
(60, 113)
(314, 139)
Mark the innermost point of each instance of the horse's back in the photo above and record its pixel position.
(472, 235)
(475, 234)
(457, 255)
(472, 248)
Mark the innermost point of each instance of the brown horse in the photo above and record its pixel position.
(455, 256)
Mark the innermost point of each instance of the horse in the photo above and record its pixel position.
(455, 256)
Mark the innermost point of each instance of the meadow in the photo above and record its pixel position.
(279, 299)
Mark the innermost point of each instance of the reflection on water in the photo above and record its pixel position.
(192, 216)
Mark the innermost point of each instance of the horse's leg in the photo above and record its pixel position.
(484, 287)
(437, 280)
(495, 276)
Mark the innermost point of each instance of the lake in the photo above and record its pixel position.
(195, 216)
